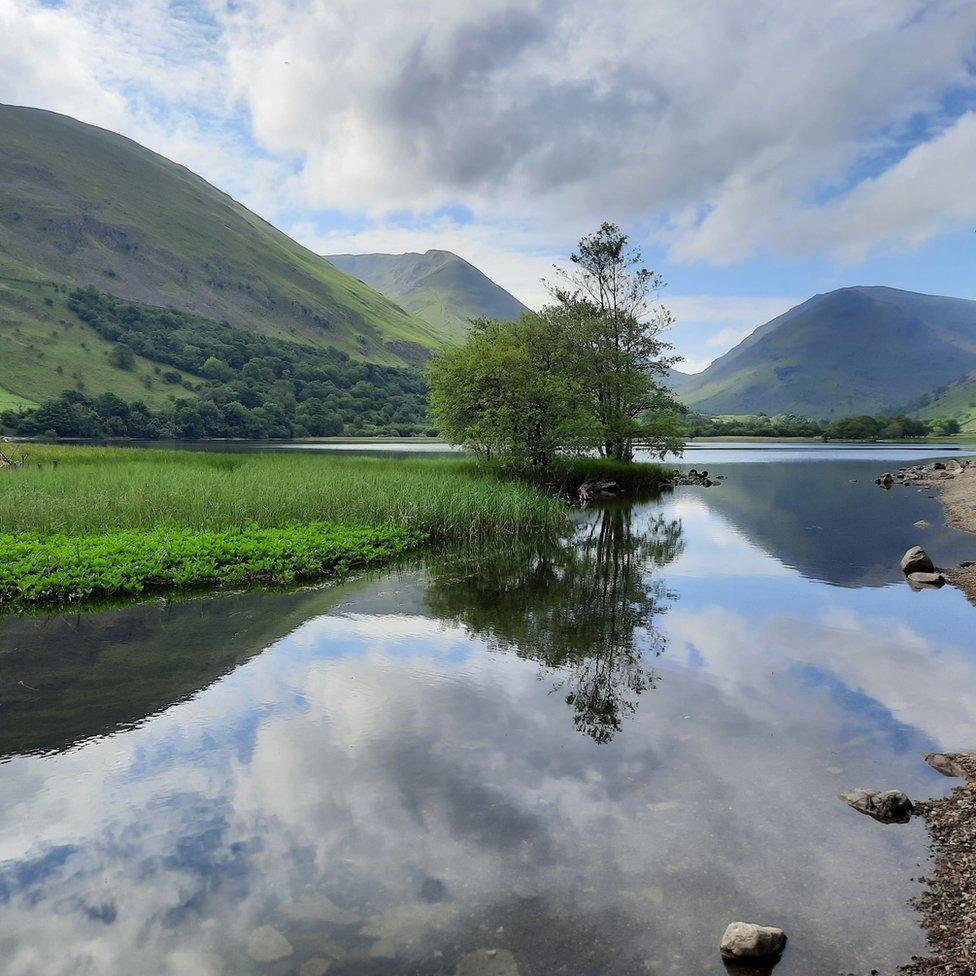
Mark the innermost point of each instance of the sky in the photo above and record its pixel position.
(758, 153)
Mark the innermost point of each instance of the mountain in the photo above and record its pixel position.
(855, 350)
(80, 205)
(957, 400)
(437, 286)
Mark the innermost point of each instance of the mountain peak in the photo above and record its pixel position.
(857, 349)
(439, 286)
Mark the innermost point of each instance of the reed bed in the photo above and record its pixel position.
(84, 490)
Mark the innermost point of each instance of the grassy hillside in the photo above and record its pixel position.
(80, 205)
(154, 372)
(46, 349)
(437, 286)
(957, 400)
(856, 350)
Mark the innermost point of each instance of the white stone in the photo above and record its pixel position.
(745, 940)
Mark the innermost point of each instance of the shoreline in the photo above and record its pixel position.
(946, 906)
(954, 481)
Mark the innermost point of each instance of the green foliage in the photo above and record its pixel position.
(868, 428)
(585, 373)
(783, 425)
(512, 392)
(122, 357)
(83, 523)
(248, 386)
(101, 489)
(59, 569)
(608, 303)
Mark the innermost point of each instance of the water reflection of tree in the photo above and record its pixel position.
(583, 608)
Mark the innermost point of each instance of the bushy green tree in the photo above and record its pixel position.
(513, 390)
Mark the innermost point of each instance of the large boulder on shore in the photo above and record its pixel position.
(917, 560)
(746, 940)
(888, 806)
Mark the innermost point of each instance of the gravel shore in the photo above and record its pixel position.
(955, 481)
(948, 905)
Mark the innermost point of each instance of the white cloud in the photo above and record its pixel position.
(710, 126)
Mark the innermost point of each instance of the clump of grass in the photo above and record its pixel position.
(113, 522)
(569, 472)
(60, 569)
(98, 489)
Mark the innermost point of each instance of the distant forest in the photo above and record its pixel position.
(227, 383)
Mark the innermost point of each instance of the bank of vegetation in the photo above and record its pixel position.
(83, 522)
(533, 399)
(864, 427)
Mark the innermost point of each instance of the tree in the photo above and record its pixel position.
(608, 299)
(513, 390)
(122, 356)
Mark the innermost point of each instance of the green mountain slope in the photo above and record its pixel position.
(855, 350)
(957, 400)
(437, 286)
(80, 205)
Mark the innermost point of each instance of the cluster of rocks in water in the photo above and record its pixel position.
(920, 571)
(591, 491)
(693, 477)
(925, 475)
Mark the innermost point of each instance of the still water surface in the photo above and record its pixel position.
(585, 758)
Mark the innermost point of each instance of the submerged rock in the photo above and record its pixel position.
(746, 940)
(917, 560)
(926, 581)
(487, 962)
(317, 966)
(886, 806)
(267, 944)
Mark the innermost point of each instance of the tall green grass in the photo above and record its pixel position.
(100, 489)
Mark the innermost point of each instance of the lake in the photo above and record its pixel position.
(582, 758)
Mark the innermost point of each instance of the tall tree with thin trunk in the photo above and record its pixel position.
(611, 302)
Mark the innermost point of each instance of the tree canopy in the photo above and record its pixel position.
(588, 371)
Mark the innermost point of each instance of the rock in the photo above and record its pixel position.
(746, 940)
(487, 962)
(595, 489)
(938, 466)
(267, 944)
(923, 581)
(433, 889)
(886, 480)
(886, 806)
(917, 560)
(948, 764)
(315, 967)
(921, 524)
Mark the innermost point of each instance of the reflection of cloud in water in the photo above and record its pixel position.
(182, 836)
(907, 673)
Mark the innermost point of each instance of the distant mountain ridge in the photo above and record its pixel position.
(437, 286)
(863, 349)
